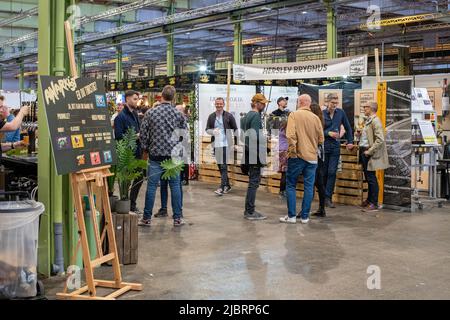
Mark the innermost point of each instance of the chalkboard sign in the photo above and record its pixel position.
(79, 123)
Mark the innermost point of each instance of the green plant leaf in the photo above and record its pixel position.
(172, 168)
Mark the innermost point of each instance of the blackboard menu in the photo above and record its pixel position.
(79, 123)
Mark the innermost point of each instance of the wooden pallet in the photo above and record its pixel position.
(350, 186)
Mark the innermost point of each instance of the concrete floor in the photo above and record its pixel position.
(219, 255)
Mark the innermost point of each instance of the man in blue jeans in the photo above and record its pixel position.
(158, 139)
(304, 133)
(164, 187)
(334, 118)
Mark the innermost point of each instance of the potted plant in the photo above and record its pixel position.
(128, 169)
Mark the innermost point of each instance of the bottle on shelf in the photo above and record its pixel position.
(445, 96)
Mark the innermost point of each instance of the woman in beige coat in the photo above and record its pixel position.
(373, 153)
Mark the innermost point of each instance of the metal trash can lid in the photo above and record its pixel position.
(20, 206)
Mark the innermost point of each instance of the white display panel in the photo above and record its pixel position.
(277, 92)
(240, 101)
(14, 99)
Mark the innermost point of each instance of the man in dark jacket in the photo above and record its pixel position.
(334, 119)
(126, 119)
(255, 151)
(222, 127)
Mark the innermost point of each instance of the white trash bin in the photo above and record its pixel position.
(19, 230)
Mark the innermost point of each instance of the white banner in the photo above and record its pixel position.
(240, 101)
(355, 66)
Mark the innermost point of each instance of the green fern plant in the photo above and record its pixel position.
(172, 168)
(128, 167)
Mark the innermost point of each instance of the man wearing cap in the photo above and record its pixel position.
(281, 114)
(254, 156)
(282, 107)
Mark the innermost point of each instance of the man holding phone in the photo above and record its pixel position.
(334, 118)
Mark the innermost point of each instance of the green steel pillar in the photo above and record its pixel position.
(53, 193)
(403, 61)
(119, 67)
(238, 55)
(45, 159)
(21, 76)
(170, 44)
(119, 55)
(331, 32)
(80, 64)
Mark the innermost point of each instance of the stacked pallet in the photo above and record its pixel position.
(350, 186)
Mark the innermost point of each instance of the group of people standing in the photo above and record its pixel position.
(309, 144)
(155, 143)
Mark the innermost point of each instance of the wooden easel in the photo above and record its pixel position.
(91, 177)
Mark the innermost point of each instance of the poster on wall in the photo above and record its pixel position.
(435, 95)
(323, 97)
(79, 123)
(420, 100)
(397, 178)
(240, 101)
(362, 98)
(273, 93)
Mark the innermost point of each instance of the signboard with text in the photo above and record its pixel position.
(355, 66)
(79, 123)
(397, 178)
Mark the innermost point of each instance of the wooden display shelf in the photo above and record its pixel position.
(350, 186)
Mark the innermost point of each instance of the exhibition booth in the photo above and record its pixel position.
(411, 176)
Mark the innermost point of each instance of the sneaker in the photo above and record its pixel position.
(162, 213)
(286, 219)
(319, 214)
(179, 222)
(219, 192)
(226, 190)
(305, 221)
(137, 211)
(254, 216)
(365, 204)
(145, 222)
(370, 208)
(329, 204)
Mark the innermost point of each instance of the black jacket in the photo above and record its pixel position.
(229, 123)
(127, 119)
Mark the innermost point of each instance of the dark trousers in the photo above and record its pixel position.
(135, 187)
(221, 158)
(371, 178)
(330, 170)
(283, 182)
(185, 175)
(254, 179)
(320, 185)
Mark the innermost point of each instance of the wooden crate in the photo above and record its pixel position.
(126, 230)
(350, 186)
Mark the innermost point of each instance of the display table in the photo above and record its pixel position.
(350, 186)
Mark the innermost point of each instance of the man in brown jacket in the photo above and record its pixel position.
(304, 133)
(372, 153)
